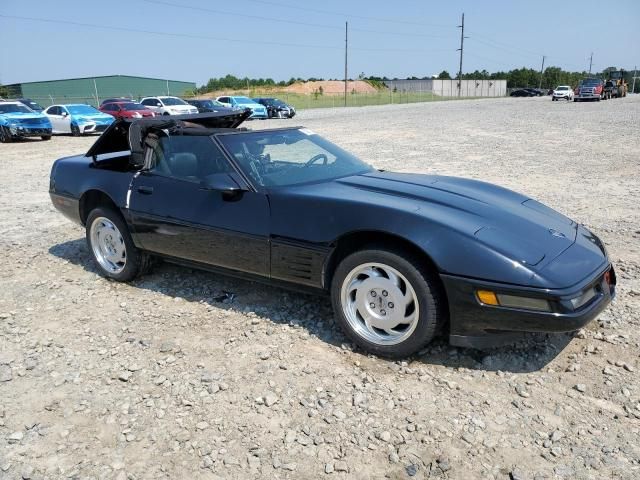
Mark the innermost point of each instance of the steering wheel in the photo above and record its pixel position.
(317, 157)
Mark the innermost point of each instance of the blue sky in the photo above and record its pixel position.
(198, 39)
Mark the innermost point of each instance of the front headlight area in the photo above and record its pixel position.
(496, 299)
(552, 304)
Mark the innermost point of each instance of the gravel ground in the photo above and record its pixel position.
(162, 378)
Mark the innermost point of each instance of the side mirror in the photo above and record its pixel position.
(223, 183)
(64, 114)
(158, 104)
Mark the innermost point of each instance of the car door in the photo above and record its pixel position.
(152, 104)
(65, 120)
(173, 215)
(55, 116)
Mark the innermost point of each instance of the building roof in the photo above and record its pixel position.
(99, 76)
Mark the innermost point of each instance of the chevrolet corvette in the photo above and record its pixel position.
(403, 256)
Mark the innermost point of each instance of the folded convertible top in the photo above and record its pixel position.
(128, 134)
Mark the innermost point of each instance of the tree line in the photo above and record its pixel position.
(518, 77)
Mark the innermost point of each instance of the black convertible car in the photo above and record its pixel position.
(403, 256)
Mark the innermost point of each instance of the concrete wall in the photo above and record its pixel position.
(449, 88)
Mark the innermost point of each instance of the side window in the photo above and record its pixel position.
(149, 101)
(188, 157)
(224, 99)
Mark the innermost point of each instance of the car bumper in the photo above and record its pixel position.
(476, 325)
(30, 131)
(68, 206)
(93, 127)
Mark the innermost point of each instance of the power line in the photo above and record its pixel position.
(282, 20)
(344, 14)
(210, 37)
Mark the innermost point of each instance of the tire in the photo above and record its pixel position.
(364, 283)
(108, 235)
(553, 99)
(5, 135)
(166, 113)
(46, 137)
(75, 130)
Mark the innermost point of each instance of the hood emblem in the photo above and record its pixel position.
(556, 233)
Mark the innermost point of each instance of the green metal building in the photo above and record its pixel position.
(93, 90)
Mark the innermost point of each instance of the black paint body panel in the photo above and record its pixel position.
(473, 232)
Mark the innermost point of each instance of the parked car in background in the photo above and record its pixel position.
(31, 104)
(522, 92)
(77, 119)
(168, 105)
(562, 91)
(126, 110)
(19, 121)
(403, 256)
(276, 108)
(116, 100)
(589, 89)
(240, 103)
(208, 106)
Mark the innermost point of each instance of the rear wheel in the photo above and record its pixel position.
(385, 304)
(111, 246)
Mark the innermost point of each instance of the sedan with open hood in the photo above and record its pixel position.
(403, 256)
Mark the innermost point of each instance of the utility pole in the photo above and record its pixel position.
(633, 88)
(541, 70)
(346, 49)
(461, 50)
(590, 62)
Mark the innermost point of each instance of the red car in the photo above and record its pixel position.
(126, 110)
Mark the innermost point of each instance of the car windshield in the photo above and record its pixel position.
(591, 81)
(82, 110)
(280, 158)
(562, 88)
(207, 103)
(243, 100)
(132, 106)
(173, 101)
(14, 108)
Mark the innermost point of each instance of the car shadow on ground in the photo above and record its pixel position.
(314, 313)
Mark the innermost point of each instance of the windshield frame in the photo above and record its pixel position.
(266, 188)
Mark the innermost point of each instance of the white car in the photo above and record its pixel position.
(563, 91)
(168, 105)
(77, 119)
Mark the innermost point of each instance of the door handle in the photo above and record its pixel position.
(145, 190)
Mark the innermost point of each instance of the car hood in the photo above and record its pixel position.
(94, 117)
(510, 223)
(23, 116)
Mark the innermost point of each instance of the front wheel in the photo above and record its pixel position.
(5, 135)
(46, 137)
(111, 246)
(75, 130)
(385, 304)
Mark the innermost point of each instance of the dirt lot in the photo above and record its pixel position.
(159, 379)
